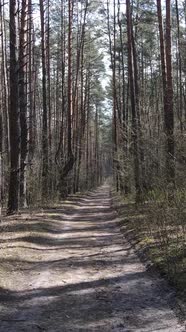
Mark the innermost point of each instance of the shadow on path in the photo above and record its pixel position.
(69, 269)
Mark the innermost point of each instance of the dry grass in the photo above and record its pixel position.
(158, 230)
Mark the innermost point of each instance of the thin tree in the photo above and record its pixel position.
(23, 101)
(135, 128)
(169, 116)
(166, 67)
(13, 199)
(44, 99)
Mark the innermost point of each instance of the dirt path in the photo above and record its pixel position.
(71, 270)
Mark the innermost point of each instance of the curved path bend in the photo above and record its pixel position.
(70, 269)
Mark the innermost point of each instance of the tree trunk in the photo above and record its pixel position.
(70, 13)
(169, 116)
(13, 199)
(133, 106)
(23, 102)
(45, 111)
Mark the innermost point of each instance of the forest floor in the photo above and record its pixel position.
(69, 268)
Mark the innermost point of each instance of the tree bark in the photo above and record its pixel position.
(13, 199)
(169, 116)
(133, 105)
(45, 110)
(23, 102)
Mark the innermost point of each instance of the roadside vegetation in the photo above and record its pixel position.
(157, 231)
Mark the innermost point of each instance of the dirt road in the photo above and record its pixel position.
(70, 269)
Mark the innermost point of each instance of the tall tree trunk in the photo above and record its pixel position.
(13, 199)
(31, 82)
(180, 102)
(70, 157)
(162, 52)
(48, 75)
(169, 116)
(23, 102)
(112, 49)
(5, 89)
(133, 105)
(45, 110)
(70, 13)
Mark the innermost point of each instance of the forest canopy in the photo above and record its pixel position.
(91, 89)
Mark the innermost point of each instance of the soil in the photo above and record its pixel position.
(69, 268)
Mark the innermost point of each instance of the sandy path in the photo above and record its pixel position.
(77, 273)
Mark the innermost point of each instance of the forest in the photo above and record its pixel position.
(92, 125)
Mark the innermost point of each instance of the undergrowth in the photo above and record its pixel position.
(158, 228)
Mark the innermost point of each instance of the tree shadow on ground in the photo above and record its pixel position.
(95, 309)
(92, 243)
